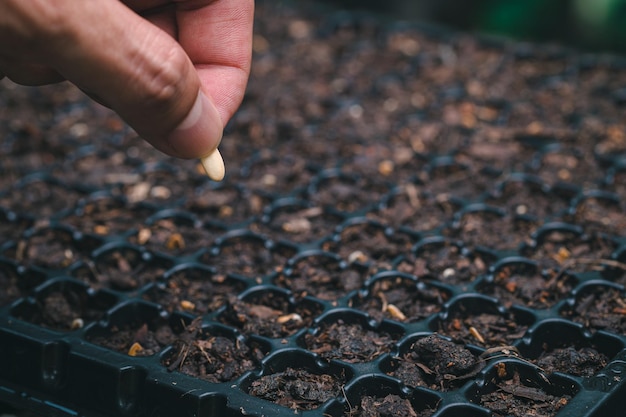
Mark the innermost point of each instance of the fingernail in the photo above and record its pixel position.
(200, 132)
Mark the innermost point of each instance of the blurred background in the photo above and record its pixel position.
(591, 25)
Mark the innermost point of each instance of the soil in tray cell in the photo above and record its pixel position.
(570, 165)
(563, 251)
(277, 174)
(371, 244)
(446, 263)
(160, 186)
(435, 363)
(415, 210)
(107, 216)
(348, 342)
(194, 290)
(600, 215)
(226, 203)
(617, 183)
(493, 149)
(523, 197)
(268, 314)
(9, 288)
(483, 329)
(515, 396)
(248, 256)
(297, 388)
(524, 285)
(599, 308)
(12, 229)
(122, 269)
(492, 230)
(64, 308)
(583, 361)
(322, 276)
(175, 236)
(92, 167)
(299, 224)
(396, 163)
(212, 357)
(401, 299)
(450, 180)
(50, 248)
(40, 199)
(348, 194)
(390, 405)
(139, 338)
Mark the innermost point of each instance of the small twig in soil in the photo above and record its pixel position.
(587, 261)
(187, 339)
(529, 393)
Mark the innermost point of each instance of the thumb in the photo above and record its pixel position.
(141, 72)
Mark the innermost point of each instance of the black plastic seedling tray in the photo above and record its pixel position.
(414, 222)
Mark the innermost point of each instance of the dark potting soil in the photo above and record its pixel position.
(214, 358)
(298, 389)
(513, 397)
(348, 342)
(443, 185)
(388, 406)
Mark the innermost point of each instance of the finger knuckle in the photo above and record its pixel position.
(163, 81)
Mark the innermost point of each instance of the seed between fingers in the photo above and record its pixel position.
(214, 165)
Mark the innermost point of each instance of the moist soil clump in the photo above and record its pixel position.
(298, 389)
(436, 363)
(585, 361)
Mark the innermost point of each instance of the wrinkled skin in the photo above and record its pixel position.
(175, 70)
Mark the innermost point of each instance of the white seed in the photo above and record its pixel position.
(289, 317)
(448, 272)
(77, 323)
(213, 164)
(355, 256)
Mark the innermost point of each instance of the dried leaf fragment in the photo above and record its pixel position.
(135, 348)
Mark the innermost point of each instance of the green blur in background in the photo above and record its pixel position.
(588, 24)
(592, 25)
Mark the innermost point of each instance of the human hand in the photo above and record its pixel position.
(174, 70)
